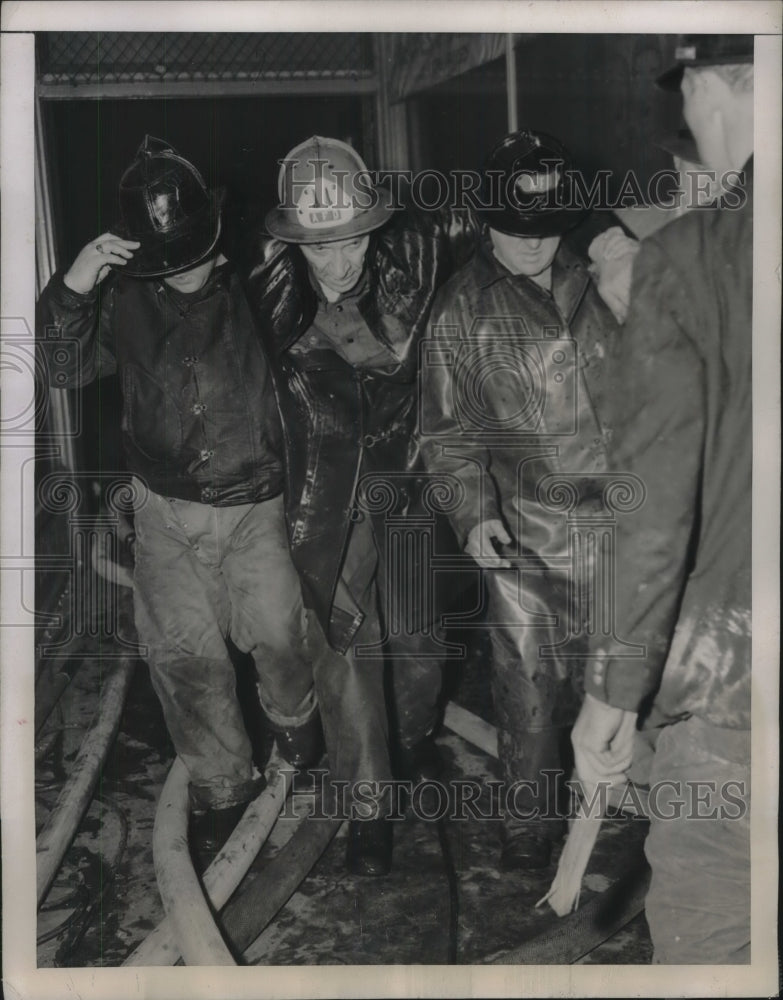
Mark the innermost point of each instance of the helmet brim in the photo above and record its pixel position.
(282, 224)
(162, 254)
(543, 225)
(671, 79)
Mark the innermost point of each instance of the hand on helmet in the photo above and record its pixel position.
(95, 261)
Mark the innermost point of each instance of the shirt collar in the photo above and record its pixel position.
(491, 270)
(570, 277)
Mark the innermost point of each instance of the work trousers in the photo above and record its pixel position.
(381, 676)
(698, 905)
(204, 574)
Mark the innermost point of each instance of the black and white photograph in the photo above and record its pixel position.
(390, 455)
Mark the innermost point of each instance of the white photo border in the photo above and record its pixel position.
(21, 977)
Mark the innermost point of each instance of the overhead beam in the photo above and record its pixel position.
(145, 89)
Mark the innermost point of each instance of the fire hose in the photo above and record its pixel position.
(190, 929)
(573, 937)
(161, 947)
(580, 932)
(246, 917)
(197, 935)
(62, 824)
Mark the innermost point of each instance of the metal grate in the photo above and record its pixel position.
(79, 57)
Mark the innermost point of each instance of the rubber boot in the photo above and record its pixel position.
(531, 823)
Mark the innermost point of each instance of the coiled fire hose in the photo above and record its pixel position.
(580, 932)
(194, 929)
(162, 946)
(62, 824)
(246, 917)
(190, 930)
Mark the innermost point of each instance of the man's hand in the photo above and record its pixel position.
(95, 260)
(612, 253)
(603, 742)
(479, 544)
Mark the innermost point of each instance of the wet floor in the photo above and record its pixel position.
(445, 901)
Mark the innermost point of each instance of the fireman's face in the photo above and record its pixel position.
(528, 255)
(338, 265)
(194, 279)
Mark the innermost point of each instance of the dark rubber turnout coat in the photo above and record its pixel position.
(513, 396)
(342, 423)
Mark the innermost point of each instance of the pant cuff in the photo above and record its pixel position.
(205, 796)
(305, 710)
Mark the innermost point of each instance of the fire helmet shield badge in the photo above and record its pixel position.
(322, 204)
(326, 193)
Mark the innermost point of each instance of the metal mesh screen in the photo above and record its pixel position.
(121, 56)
